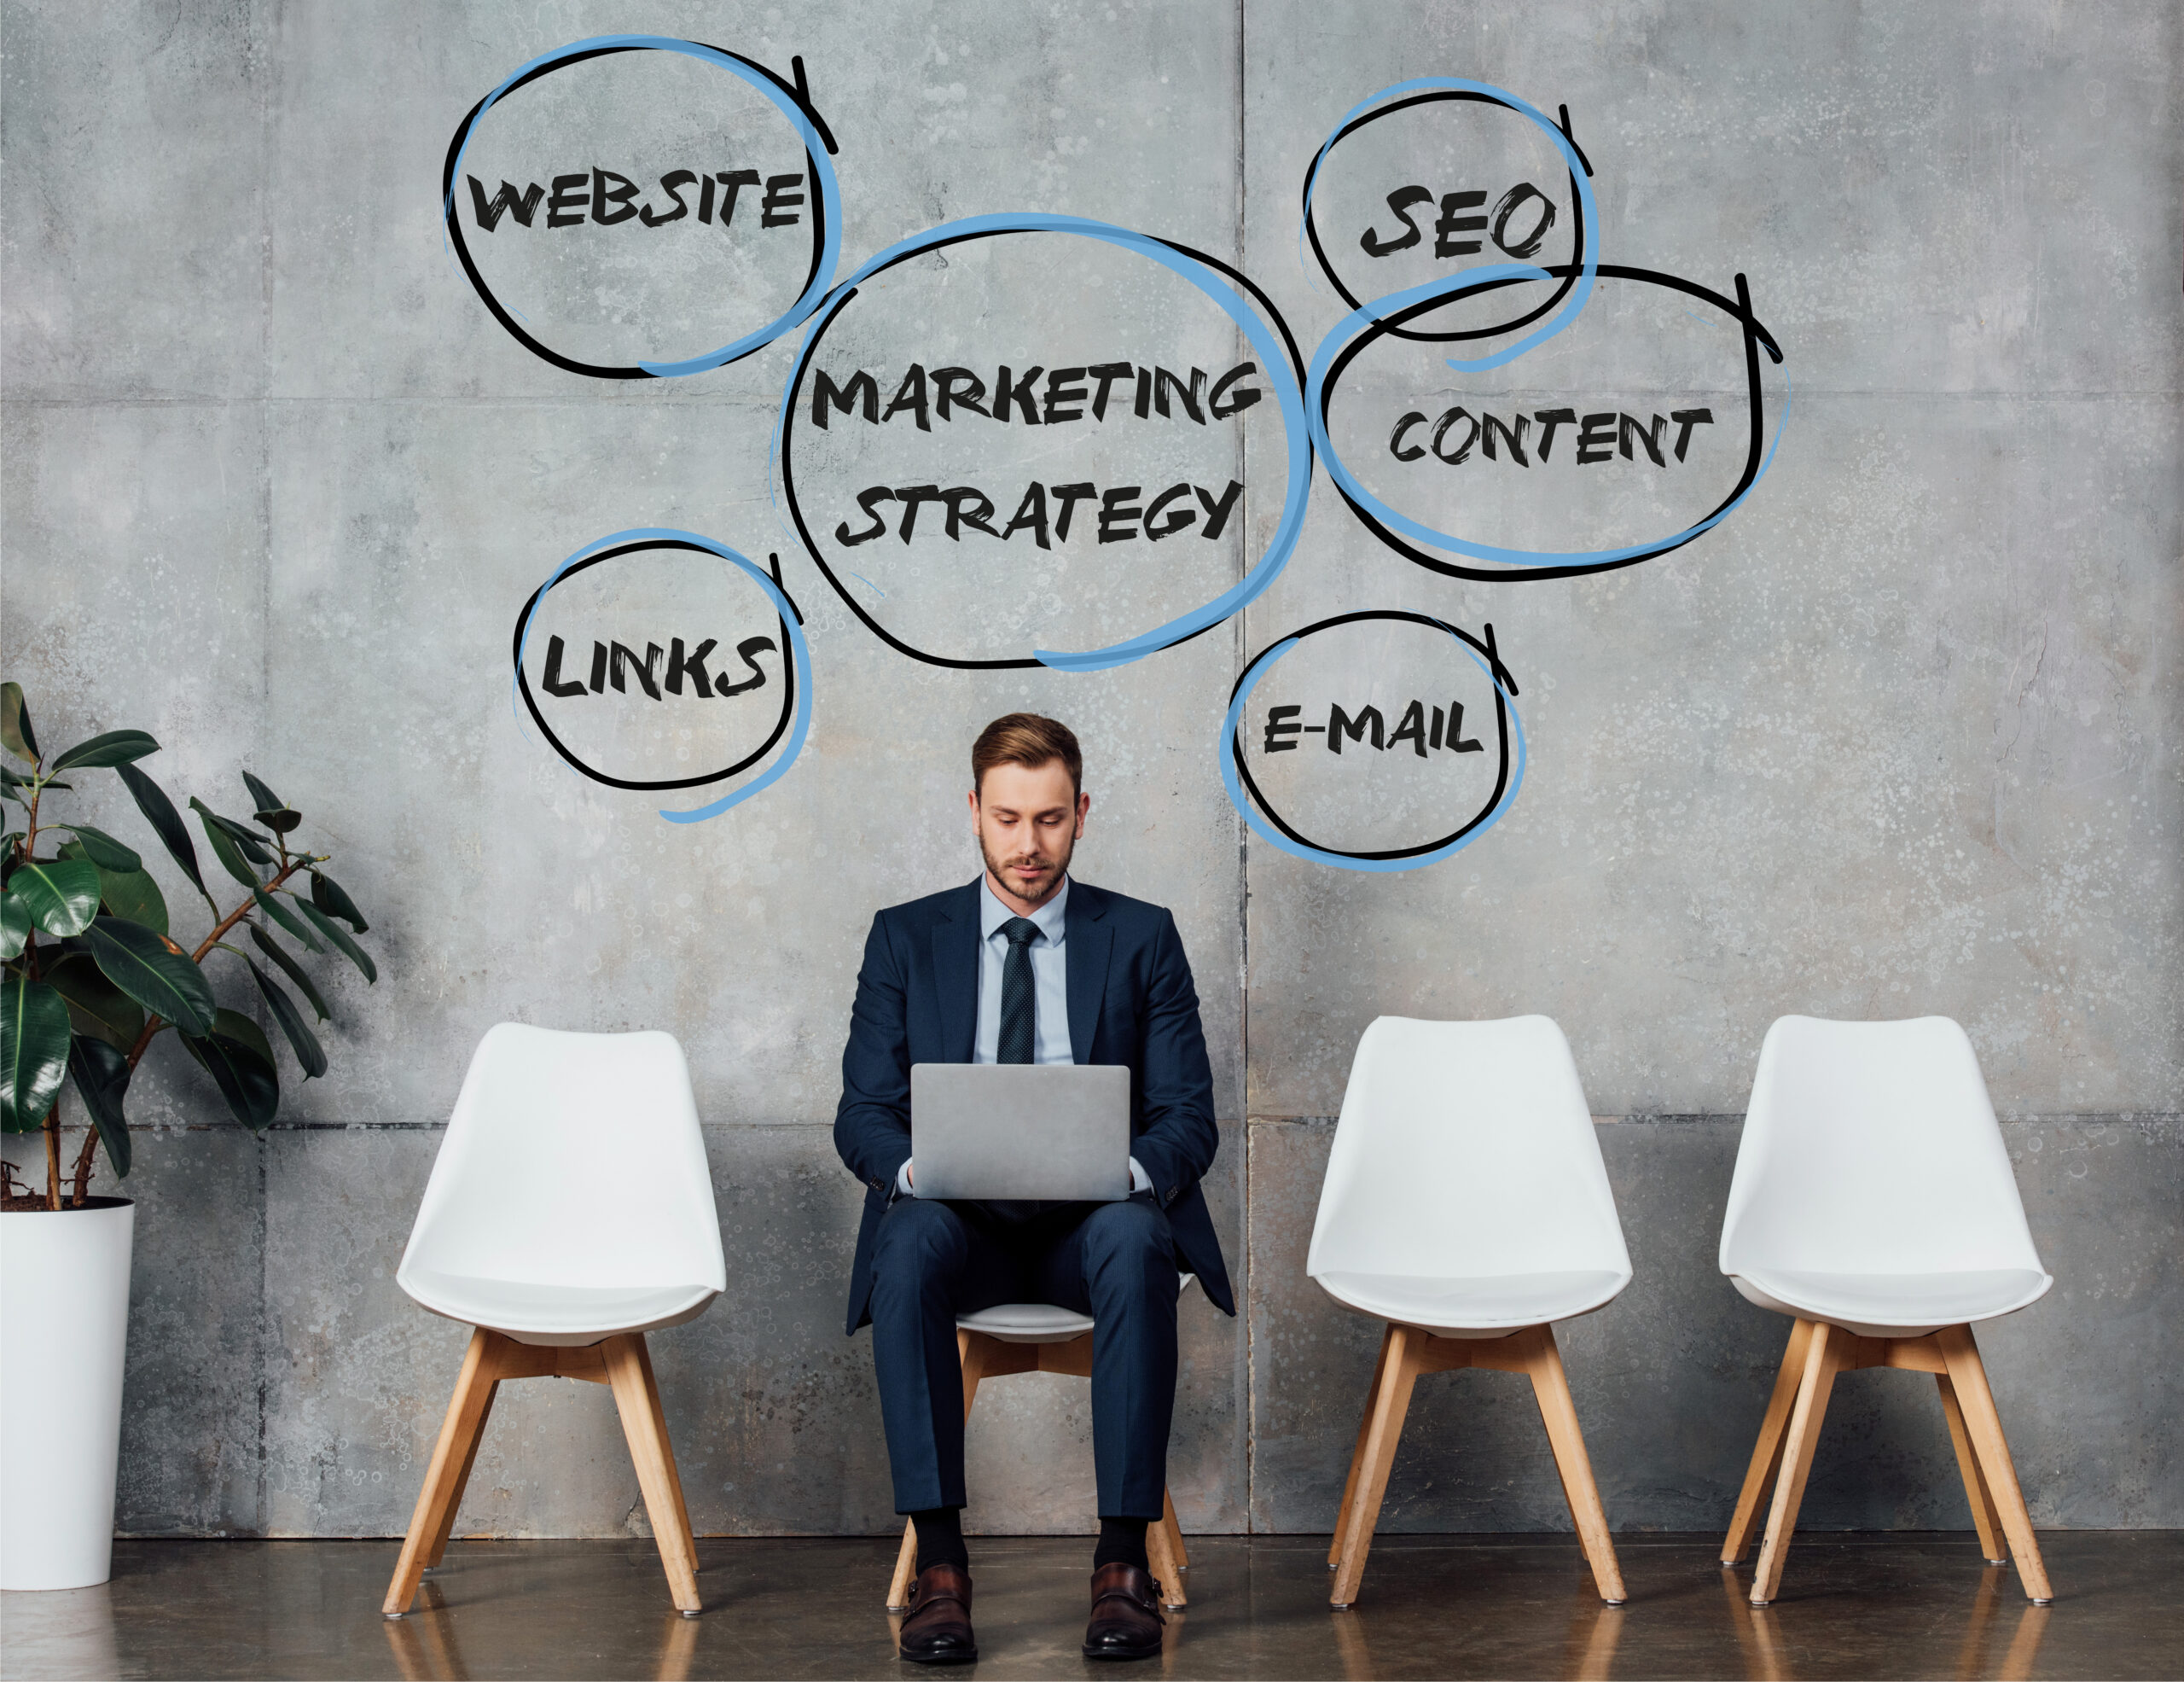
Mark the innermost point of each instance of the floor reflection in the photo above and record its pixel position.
(423, 1642)
(1766, 1652)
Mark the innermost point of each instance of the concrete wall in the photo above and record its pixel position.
(1900, 737)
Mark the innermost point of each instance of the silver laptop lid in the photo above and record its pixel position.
(1057, 1131)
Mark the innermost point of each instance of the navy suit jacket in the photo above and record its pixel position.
(1130, 1002)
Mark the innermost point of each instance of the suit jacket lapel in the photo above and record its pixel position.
(956, 974)
(1088, 942)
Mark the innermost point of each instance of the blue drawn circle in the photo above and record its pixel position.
(799, 651)
(785, 100)
(1344, 861)
(1484, 279)
(1201, 271)
(1580, 176)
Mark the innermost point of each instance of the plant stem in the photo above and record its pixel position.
(53, 1156)
(236, 916)
(153, 1024)
(82, 1172)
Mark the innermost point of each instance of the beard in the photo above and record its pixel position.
(1056, 863)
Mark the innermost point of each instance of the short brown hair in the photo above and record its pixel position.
(1026, 739)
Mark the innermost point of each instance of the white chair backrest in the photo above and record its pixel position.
(1465, 1150)
(573, 1158)
(1871, 1148)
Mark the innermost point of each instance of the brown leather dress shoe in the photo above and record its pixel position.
(936, 1629)
(1126, 1621)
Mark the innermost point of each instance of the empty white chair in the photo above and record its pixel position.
(1040, 1337)
(1873, 1202)
(1467, 1205)
(569, 1212)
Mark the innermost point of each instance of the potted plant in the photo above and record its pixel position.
(94, 977)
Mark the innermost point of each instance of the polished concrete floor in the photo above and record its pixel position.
(1896, 1605)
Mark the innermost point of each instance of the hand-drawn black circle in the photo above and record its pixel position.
(796, 90)
(789, 674)
(1739, 310)
(810, 354)
(1554, 298)
(1503, 683)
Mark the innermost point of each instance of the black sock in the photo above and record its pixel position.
(1121, 1542)
(940, 1537)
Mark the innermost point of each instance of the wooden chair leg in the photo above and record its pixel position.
(450, 1464)
(1391, 1402)
(1551, 1388)
(906, 1568)
(1160, 1553)
(1357, 1454)
(660, 1427)
(637, 1399)
(1968, 1376)
(1823, 1359)
(1984, 1519)
(438, 1550)
(1175, 1530)
(1767, 1453)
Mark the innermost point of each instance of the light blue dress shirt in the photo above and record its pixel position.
(1049, 992)
(1049, 976)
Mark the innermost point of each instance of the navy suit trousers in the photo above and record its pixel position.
(1114, 1261)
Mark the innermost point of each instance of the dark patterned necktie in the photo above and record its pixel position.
(1017, 993)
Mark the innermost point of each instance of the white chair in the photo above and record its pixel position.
(1039, 1337)
(569, 1212)
(1467, 1205)
(1873, 1202)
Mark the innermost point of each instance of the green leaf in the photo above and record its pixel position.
(243, 1071)
(130, 893)
(63, 894)
(326, 893)
(159, 812)
(281, 821)
(102, 849)
(34, 1052)
(275, 951)
(102, 1078)
(234, 1025)
(340, 936)
(15, 925)
(225, 847)
(253, 844)
(287, 918)
(134, 895)
(95, 1005)
(150, 971)
(15, 732)
(260, 795)
(311, 1056)
(115, 748)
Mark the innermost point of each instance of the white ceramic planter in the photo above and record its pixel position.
(64, 1326)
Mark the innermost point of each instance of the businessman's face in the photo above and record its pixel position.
(1028, 819)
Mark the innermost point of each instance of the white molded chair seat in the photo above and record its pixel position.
(559, 1315)
(1480, 1307)
(561, 1268)
(1467, 1205)
(1873, 1203)
(1037, 1322)
(1893, 1305)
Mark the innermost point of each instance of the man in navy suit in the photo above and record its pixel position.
(1028, 965)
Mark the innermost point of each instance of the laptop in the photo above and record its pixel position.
(1045, 1131)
